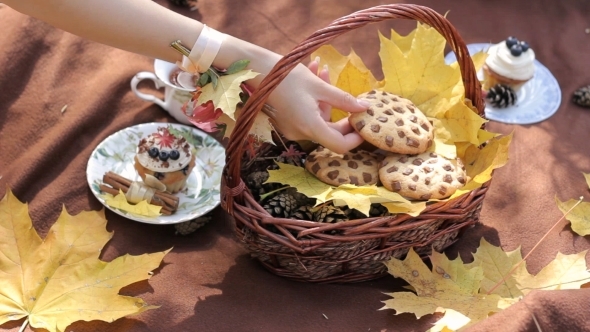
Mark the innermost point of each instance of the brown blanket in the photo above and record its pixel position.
(208, 282)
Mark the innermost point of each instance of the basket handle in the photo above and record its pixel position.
(232, 184)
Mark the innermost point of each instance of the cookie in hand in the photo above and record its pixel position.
(393, 123)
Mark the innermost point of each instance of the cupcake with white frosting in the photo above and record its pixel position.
(510, 62)
(166, 157)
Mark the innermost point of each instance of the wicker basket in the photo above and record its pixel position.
(361, 247)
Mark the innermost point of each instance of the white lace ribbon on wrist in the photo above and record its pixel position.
(204, 51)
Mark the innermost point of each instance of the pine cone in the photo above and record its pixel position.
(582, 96)
(378, 210)
(281, 205)
(255, 182)
(352, 214)
(301, 198)
(187, 227)
(263, 159)
(329, 214)
(501, 96)
(303, 213)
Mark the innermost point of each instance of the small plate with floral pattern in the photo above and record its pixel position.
(202, 190)
(537, 100)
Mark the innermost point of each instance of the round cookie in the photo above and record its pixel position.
(358, 168)
(422, 176)
(393, 123)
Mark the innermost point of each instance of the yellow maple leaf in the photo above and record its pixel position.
(481, 162)
(348, 73)
(453, 123)
(302, 180)
(420, 73)
(412, 208)
(261, 128)
(414, 68)
(579, 216)
(361, 198)
(496, 264)
(358, 198)
(226, 94)
(564, 272)
(439, 290)
(451, 321)
(58, 280)
(142, 208)
(471, 292)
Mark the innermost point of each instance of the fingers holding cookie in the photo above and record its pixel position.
(403, 134)
(393, 124)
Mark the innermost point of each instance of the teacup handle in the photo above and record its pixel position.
(146, 75)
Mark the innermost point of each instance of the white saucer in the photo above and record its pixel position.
(202, 191)
(537, 100)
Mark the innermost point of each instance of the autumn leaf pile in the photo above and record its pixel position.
(218, 100)
(414, 68)
(468, 293)
(58, 280)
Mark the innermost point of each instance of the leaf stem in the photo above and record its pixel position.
(534, 247)
(264, 196)
(25, 323)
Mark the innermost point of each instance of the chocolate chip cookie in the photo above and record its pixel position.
(393, 123)
(422, 176)
(358, 168)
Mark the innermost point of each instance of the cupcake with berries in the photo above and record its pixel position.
(166, 157)
(510, 63)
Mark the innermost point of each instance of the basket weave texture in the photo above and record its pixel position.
(305, 250)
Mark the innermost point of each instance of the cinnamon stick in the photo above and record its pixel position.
(127, 183)
(171, 200)
(114, 192)
(162, 201)
(168, 201)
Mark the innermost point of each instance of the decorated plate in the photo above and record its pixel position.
(537, 100)
(202, 191)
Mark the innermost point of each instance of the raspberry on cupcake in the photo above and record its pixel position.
(168, 158)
